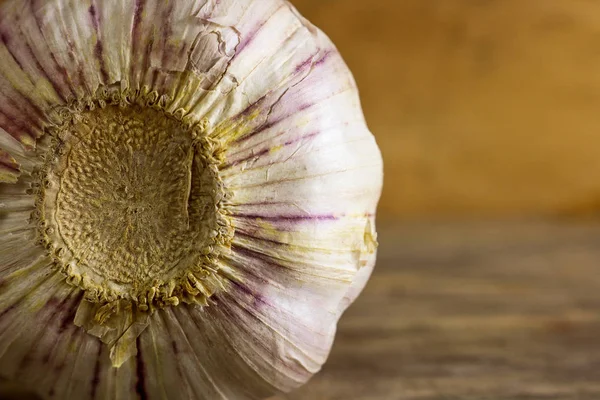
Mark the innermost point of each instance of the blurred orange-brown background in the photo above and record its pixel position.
(482, 108)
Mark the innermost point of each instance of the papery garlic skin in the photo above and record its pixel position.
(302, 174)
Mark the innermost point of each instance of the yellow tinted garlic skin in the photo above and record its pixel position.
(187, 198)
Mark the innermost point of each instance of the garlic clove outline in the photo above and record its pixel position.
(301, 172)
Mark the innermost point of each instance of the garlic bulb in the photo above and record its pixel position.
(187, 201)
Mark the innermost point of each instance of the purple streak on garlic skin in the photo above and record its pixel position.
(64, 87)
(53, 310)
(98, 49)
(247, 40)
(43, 315)
(140, 386)
(8, 310)
(249, 36)
(303, 170)
(8, 163)
(260, 104)
(300, 103)
(167, 50)
(255, 298)
(136, 41)
(271, 366)
(318, 341)
(96, 378)
(67, 322)
(22, 52)
(42, 349)
(159, 49)
(21, 116)
(68, 59)
(265, 151)
(268, 125)
(289, 218)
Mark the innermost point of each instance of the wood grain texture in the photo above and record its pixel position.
(481, 107)
(481, 311)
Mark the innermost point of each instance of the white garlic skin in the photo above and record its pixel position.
(304, 171)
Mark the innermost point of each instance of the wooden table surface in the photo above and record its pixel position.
(472, 311)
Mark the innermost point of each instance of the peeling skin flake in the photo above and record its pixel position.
(187, 197)
(9, 168)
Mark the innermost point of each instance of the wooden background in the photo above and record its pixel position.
(477, 311)
(481, 107)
